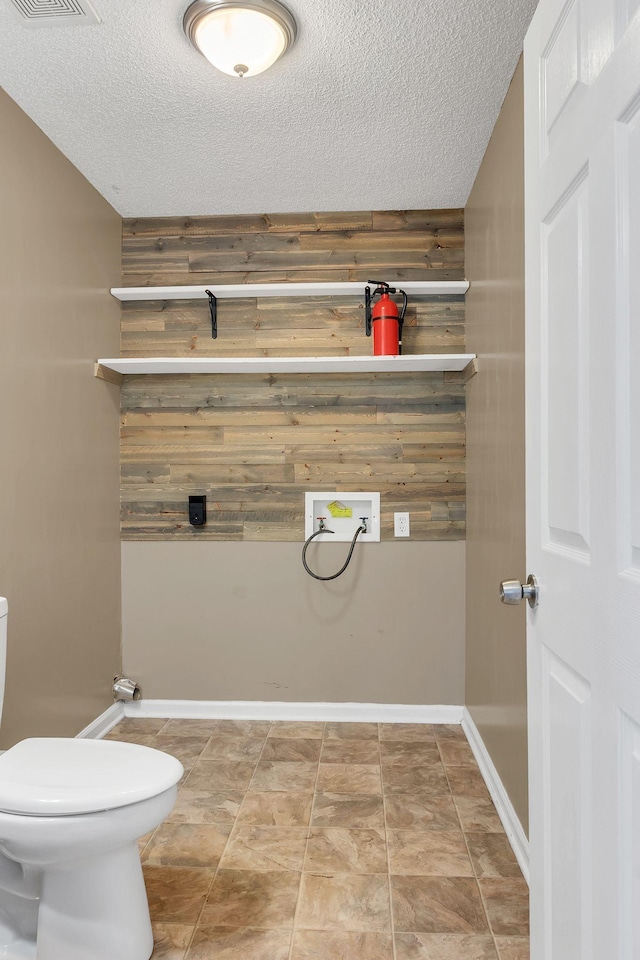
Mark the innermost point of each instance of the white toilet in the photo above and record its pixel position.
(71, 813)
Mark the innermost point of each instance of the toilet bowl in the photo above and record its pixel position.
(71, 813)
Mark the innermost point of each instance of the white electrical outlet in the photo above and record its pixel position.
(401, 527)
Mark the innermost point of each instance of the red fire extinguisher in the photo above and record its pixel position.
(384, 319)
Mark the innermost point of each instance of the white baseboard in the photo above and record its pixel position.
(283, 710)
(102, 724)
(508, 816)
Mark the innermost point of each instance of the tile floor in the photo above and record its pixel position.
(328, 841)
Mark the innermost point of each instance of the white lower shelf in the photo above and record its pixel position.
(423, 362)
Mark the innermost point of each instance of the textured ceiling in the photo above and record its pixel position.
(381, 104)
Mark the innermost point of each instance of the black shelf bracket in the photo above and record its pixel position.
(367, 311)
(213, 308)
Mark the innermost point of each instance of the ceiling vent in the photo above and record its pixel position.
(54, 13)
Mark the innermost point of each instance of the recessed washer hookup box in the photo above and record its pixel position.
(342, 512)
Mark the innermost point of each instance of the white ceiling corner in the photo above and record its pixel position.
(378, 105)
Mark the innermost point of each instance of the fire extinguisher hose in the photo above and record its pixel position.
(361, 529)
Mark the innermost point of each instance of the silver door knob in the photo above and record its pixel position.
(512, 591)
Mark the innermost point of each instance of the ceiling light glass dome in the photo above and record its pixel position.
(241, 38)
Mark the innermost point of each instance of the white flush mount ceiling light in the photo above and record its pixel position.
(240, 37)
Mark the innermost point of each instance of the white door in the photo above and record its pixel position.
(582, 176)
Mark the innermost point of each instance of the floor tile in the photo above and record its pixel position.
(409, 751)
(456, 752)
(513, 948)
(351, 731)
(297, 729)
(233, 748)
(344, 901)
(170, 940)
(467, 782)
(187, 845)
(265, 848)
(444, 946)
(248, 800)
(406, 731)
(221, 775)
(185, 749)
(417, 852)
(449, 731)
(288, 749)
(492, 855)
(350, 751)
(276, 809)
(478, 815)
(190, 728)
(428, 781)
(198, 805)
(122, 736)
(243, 728)
(176, 894)
(325, 945)
(349, 778)
(239, 943)
(507, 903)
(241, 898)
(345, 850)
(436, 813)
(437, 905)
(279, 775)
(347, 810)
(140, 725)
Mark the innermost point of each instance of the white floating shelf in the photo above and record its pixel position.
(230, 291)
(425, 362)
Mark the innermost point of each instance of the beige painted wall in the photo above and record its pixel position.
(59, 524)
(495, 634)
(243, 621)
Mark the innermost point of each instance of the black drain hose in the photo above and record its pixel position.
(361, 529)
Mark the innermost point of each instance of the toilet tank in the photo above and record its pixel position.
(4, 610)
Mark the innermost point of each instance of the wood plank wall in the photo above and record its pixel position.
(254, 444)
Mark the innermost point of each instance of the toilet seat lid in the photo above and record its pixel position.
(49, 777)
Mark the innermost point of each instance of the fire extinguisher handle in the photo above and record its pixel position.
(382, 284)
